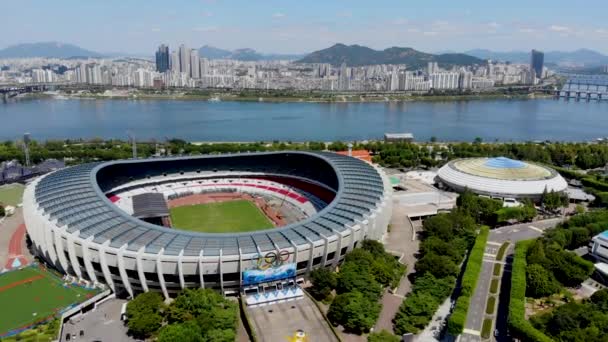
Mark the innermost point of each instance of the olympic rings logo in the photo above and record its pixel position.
(271, 259)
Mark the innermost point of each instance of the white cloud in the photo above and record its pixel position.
(206, 29)
(413, 30)
(279, 15)
(430, 33)
(494, 25)
(345, 14)
(155, 29)
(601, 31)
(526, 30)
(558, 28)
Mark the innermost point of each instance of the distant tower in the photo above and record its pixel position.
(537, 59)
(350, 149)
(133, 144)
(162, 58)
(26, 148)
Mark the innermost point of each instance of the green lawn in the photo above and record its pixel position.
(222, 217)
(26, 303)
(11, 194)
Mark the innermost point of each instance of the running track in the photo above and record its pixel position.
(21, 282)
(14, 248)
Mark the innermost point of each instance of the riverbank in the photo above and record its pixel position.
(337, 98)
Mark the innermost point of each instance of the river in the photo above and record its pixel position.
(502, 120)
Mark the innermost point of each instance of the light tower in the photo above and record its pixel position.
(26, 148)
(350, 149)
(133, 144)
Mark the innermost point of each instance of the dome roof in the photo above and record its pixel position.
(501, 177)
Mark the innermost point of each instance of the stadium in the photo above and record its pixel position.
(234, 222)
(500, 177)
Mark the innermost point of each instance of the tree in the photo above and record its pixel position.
(455, 249)
(218, 335)
(436, 287)
(323, 282)
(2, 212)
(144, 324)
(440, 266)
(415, 313)
(382, 336)
(358, 277)
(354, 311)
(192, 303)
(540, 282)
(183, 332)
(553, 200)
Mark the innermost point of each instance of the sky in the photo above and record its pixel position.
(274, 26)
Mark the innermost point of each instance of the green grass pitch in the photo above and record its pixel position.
(25, 303)
(221, 217)
(11, 194)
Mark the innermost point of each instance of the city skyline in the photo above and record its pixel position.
(278, 27)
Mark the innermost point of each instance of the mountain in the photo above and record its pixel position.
(356, 55)
(46, 49)
(211, 52)
(583, 57)
(242, 54)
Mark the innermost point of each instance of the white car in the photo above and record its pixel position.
(511, 202)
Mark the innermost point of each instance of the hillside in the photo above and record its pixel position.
(245, 54)
(357, 55)
(46, 49)
(584, 57)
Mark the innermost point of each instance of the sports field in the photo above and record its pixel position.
(11, 194)
(30, 295)
(220, 217)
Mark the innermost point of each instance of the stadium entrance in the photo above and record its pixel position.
(271, 280)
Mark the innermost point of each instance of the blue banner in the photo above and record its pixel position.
(255, 276)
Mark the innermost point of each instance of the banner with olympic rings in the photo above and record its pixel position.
(269, 267)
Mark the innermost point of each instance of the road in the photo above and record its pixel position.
(401, 241)
(477, 306)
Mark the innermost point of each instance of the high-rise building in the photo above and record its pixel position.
(194, 64)
(184, 59)
(204, 67)
(174, 62)
(537, 59)
(344, 80)
(432, 68)
(162, 58)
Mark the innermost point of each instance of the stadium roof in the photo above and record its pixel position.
(73, 196)
(501, 176)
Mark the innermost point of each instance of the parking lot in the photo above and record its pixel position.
(279, 322)
(103, 324)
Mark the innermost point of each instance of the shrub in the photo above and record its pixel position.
(469, 281)
(490, 305)
(502, 250)
(486, 328)
(518, 325)
(494, 286)
(496, 271)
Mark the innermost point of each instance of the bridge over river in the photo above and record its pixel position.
(585, 87)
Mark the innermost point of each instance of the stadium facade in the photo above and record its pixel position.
(75, 224)
(501, 177)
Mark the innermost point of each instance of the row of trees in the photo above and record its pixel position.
(577, 321)
(551, 265)
(581, 155)
(359, 284)
(196, 315)
(446, 238)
